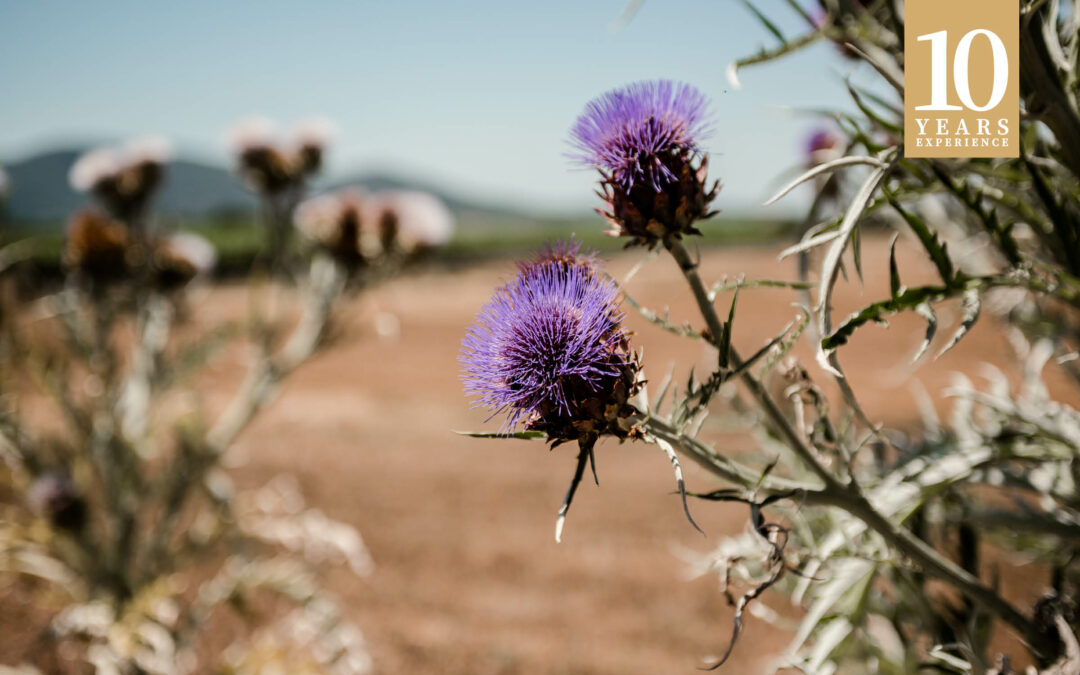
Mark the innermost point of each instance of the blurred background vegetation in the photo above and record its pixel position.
(207, 200)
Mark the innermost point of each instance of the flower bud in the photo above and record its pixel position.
(123, 179)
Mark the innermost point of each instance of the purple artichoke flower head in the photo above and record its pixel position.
(549, 351)
(644, 139)
(640, 133)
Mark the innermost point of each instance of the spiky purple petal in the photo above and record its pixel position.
(629, 132)
(552, 331)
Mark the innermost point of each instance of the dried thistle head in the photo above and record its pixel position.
(336, 223)
(180, 258)
(388, 225)
(97, 249)
(413, 221)
(271, 164)
(311, 137)
(125, 178)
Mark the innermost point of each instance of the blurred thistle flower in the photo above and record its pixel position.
(549, 352)
(419, 220)
(54, 496)
(644, 140)
(823, 145)
(311, 137)
(270, 163)
(93, 167)
(123, 178)
(97, 248)
(180, 258)
(334, 223)
(251, 132)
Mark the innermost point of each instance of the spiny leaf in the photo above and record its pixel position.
(929, 239)
(831, 265)
(856, 253)
(910, 298)
(971, 305)
(926, 311)
(972, 199)
(765, 55)
(761, 353)
(664, 387)
(661, 321)
(523, 435)
(824, 167)
(801, 11)
(786, 344)
(722, 286)
(725, 336)
(869, 112)
(894, 273)
(765, 21)
(680, 484)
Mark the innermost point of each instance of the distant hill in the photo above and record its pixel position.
(40, 192)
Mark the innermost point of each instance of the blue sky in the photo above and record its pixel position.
(473, 95)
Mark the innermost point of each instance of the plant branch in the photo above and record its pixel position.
(847, 496)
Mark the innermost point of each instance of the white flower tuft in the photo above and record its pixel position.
(152, 149)
(423, 219)
(193, 248)
(251, 132)
(93, 167)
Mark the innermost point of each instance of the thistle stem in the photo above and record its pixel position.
(790, 436)
(847, 496)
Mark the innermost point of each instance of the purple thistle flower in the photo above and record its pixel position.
(632, 133)
(548, 350)
(821, 140)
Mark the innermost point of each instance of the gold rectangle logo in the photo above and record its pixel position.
(962, 78)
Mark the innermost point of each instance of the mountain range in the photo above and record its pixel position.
(40, 192)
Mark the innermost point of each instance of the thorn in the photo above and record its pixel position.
(579, 471)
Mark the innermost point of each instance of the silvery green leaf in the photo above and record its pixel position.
(970, 305)
(926, 311)
(825, 167)
(829, 638)
(830, 265)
